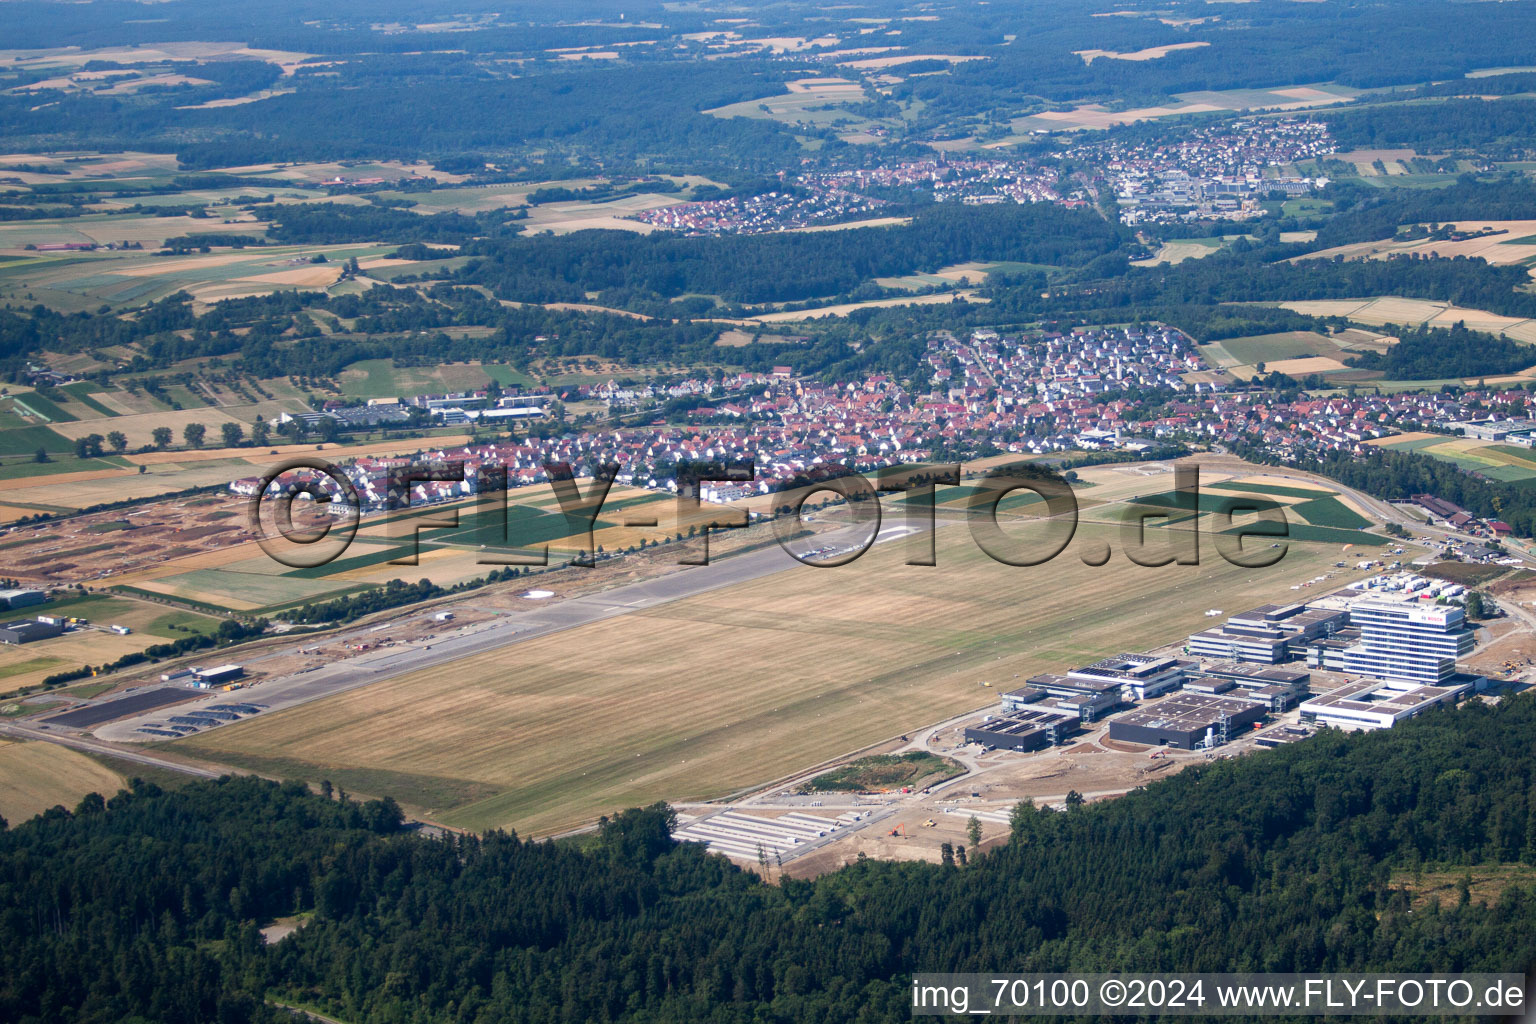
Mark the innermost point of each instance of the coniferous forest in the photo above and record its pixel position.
(1313, 857)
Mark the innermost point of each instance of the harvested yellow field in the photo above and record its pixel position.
(1178, 252)
(1150, 53)
(325, 451)
(37, 776)
(1313, 364)
(873, 222)
(140, 428)
(818, 313)
(1379, 312)
(1504, 247)
(876, 63)
(1397, 439)
(306, 277)
(707, 695)
(72, 650)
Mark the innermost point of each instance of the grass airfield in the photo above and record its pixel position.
(707, 695)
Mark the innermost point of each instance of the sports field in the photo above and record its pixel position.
(37, 776)
(710, 694)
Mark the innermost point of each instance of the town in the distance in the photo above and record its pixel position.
(698, 511)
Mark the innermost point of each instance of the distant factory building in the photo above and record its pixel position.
(1187, 721)
(1269, 634)
(27, 630)
(1089, 697)
(1139, 676)
(208, 678)
(1279, 689)
(1367, 704)
(22, 598)
(1028, 729)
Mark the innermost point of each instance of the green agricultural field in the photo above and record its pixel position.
(27, 440)
(122, 279)
(59, 464)
(525, 527)
(380, 378)
(1485, 460)
(22, 668)
(1416, 444)
(375, 555)
(1285, 492)
(1330, 512)
(1271, 348)
(36, 404)
(245, 591)
(82, 392)
(143, 616)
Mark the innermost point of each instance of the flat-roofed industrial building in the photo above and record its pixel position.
(1277, 688)
(27, 630)
(1367, 704)
(1268, 634)
(1027, 729)
(1139, 676)
(22, 598)
(1187, 721)
(1091, 698)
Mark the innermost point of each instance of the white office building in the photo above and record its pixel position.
(1380, 703)
(1405, 638)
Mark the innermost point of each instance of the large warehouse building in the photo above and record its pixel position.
(1023, 730)
(28, 630)
(1187, 721)
(22, 598)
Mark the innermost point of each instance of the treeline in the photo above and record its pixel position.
(786, 266)
(1433, 353)
(1366, 214)
(1247, 274)
(1488, 127)
(394, 594)
(333, 223)
(1312, 857)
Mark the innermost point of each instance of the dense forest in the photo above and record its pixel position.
(1299, 859)
(1430, 353)
(785, 266)
(1364, 214)
(379, 84)
(1494, 128)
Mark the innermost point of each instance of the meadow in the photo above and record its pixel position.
(43, 775)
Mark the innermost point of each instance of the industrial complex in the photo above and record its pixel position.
(1388, 644)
